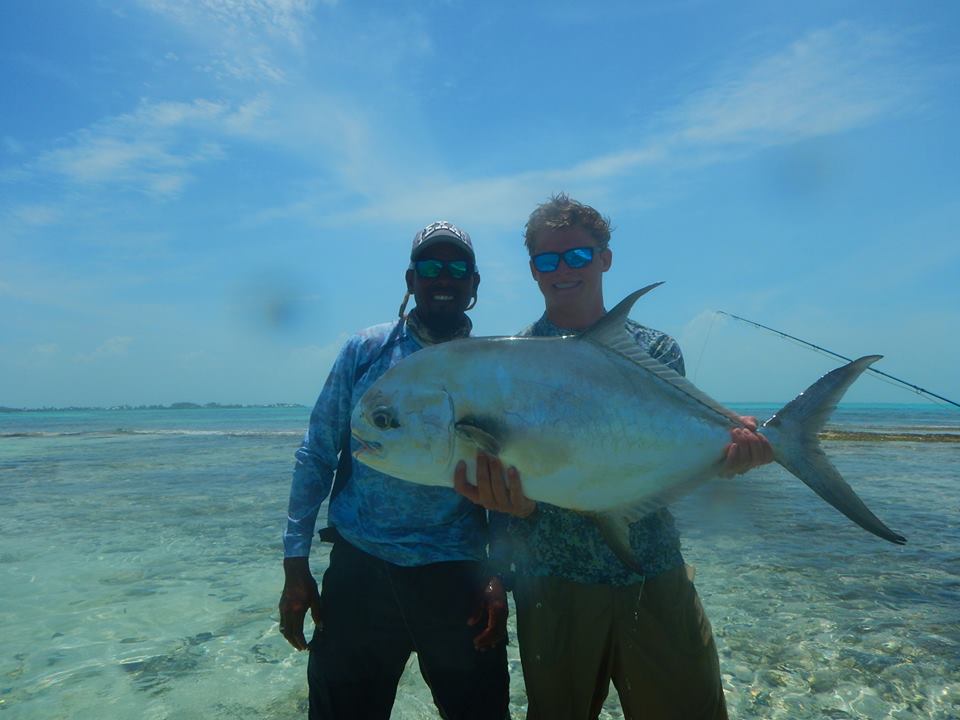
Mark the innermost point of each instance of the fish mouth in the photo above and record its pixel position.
(367, 447)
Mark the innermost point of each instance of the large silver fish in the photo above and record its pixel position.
(592, 423)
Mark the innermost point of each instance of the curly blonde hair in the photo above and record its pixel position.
(562, 211)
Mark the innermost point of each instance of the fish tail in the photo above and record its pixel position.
(793, 434)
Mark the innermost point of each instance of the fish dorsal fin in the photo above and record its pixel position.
(609, 328)
(610, 333)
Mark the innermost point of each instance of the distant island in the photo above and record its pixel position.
(172, 406)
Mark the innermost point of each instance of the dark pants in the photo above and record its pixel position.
(653, 640)
(374, 614)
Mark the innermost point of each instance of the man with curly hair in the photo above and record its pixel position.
(583, 617)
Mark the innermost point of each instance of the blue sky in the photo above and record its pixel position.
(200, 199)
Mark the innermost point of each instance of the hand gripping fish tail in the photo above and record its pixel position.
(793, 434)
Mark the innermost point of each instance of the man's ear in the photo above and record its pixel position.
(533, 272)
(606, 259)
(409, 277)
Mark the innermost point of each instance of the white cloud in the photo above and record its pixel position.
(252, 64)
(617, 163)
(150, 150)
(283, 18)
(35, 215)
(243, 36)
(828, 82)
(45, 349)
(173, 114)
(316, 359)
(117, 346)
(245, 120)
(193, 357)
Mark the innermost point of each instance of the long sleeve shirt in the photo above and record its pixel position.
(562, 543)
(392, 519)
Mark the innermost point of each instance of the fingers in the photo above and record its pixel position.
(737, 454)
(295, 600)
(291, 624)
(462, 486)
(748, 450)
(493, 634)
(494, 605)
(477, 615)
(490, 483)
(764, 451)
(496, 489)
(522, 505)
(756, 449)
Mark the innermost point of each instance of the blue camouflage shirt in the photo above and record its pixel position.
(562, 543)
(394, 520)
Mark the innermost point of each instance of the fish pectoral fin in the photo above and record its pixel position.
(615, 524)
(478, 436)
(615, 529)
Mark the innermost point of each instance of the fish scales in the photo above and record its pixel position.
(591, 422)
(561, 438)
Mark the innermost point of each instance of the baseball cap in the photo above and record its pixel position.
(438, 232)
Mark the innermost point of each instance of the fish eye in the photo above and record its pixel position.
(383, 418)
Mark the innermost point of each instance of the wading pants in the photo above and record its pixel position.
(374, 614)
(652, 639)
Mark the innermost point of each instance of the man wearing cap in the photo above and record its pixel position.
(406, 572)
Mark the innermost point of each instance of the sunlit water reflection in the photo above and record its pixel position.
(140, 572)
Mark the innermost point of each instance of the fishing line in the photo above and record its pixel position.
(890, 379)
(703, 348)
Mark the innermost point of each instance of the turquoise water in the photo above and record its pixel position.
(140, 570)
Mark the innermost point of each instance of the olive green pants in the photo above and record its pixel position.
(652, 639)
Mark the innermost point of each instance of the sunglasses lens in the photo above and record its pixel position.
(546, 262)
(457, 269)
(429, 268)
(578, 257)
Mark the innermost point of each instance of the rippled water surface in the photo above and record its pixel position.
(140, 570)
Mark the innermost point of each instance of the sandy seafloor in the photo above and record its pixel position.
(140, 567)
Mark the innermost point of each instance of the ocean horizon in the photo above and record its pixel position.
(191, 405)
(140, 556)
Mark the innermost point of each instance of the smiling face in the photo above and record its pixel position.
(441, 301)
(573, 296)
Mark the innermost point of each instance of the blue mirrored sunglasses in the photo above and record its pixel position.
(574, 258)
(457, 269)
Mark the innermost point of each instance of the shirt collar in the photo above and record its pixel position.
(425, 337)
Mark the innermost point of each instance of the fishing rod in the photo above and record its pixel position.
(913, 387)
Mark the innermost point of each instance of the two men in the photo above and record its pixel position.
(406, 572)
(583, 617)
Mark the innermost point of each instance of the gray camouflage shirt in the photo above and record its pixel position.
(563, 543)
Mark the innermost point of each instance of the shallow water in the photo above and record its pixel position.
(140, 571)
